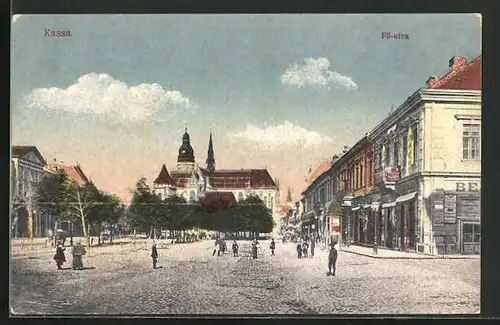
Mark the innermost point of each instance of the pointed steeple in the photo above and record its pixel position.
(210, 155)
(164, 177)
(186, 152)
(289, 195)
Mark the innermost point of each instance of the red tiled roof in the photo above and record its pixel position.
(19, 151)
(323, 167)
(225, 179)
(216, 200)
(74, 173)
(462, 76)
(164, 177)
(243, 178)
(180, 178)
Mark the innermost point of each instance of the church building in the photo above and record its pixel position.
(193, 182)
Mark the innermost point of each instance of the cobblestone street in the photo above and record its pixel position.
(120, 280)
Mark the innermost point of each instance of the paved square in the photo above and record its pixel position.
(120, 280)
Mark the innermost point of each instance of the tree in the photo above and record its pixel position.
(64, 198)
(254, 216)
(107, 208)
(145, 211)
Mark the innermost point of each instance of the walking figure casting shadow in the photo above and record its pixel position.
(78, 251)
(59, 256)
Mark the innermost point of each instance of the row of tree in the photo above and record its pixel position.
(68, 200)
(148, 212)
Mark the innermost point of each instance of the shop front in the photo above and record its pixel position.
(347, 219)
(334, 213)
(407, 214)
(456, 222)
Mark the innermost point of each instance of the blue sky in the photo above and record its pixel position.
(227, 73)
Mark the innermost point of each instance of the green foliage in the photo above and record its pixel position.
(50, 195)
(66, 199)
(145, 210)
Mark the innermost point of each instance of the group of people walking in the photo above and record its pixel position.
(304, 246)
(77, 252)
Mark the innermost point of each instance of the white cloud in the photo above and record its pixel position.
(16, 18)
(315, 72)
(285, 134)
(101, 94)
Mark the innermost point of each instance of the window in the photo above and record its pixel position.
(265, 201)
(471, 142)
(405, 151)
(370, 172)
(396, 153)
(361, 182)
(415, 145)
(386, 158)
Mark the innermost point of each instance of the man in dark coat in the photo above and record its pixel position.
(235, 248)
(255, 246)
(305, 248)
(59, 256)
(332, 259)
(154, 255)
(299, 250)
(313, 245)
(272, 246)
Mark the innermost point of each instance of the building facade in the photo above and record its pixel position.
(427, 158)
(27, 170)
(191, 181)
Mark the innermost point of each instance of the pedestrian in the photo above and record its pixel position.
(154, 254)
(305, 247)
(332, 259)
(313, 245)
(235, 249)
(224, 246)
(217, 247)
(255, 246)
(299, 250)
(59, 256)
(78, 251)
(272, 246)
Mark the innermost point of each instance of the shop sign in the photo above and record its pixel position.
(467, 187)
(450, 208)
(469, 208)
(391, 174)
(407, 187)
(437, 208)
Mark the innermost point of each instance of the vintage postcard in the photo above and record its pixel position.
(245, 164)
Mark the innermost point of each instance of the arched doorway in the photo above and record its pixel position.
(21, 227)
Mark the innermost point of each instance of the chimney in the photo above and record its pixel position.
(431, 81)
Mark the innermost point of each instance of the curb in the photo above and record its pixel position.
(412, 258)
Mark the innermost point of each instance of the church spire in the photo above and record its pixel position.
(210, 156)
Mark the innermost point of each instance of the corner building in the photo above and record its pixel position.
(428, 166)
(192, 182)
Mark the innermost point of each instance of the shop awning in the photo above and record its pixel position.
(356, 208)
(406, 197)
(375, 205)
(389, 204)
(347, 203)
(366, 206)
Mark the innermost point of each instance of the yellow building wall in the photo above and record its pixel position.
(443, 138)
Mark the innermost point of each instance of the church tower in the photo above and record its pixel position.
(210, 156)
(185, 160)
